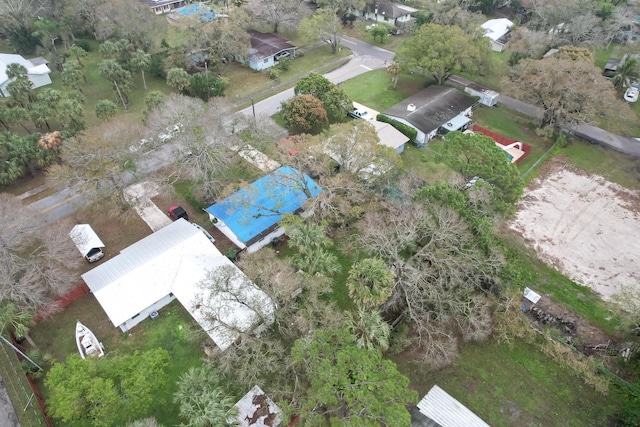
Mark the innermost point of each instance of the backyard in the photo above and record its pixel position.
(506, 385)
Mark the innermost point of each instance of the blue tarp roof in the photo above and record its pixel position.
(262, 204)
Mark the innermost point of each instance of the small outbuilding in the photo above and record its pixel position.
(267, 49)
(497, 30)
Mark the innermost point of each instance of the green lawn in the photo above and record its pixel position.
(515, 386)
(169, 331)
(373, 89)
(359, 31)
(612, 165)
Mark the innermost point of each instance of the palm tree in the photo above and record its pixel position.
(370, 282)
(106, 109)
(73, 75)
(141, 60)
(41, 113)
(111, 70)
(17, 115)
(77, 52)
(21, 90)
(369, 329)
(50, 140)
(202, 400)
(626, 74)
(17, 320)
(178, 79)
(394, 69)
(16, 71)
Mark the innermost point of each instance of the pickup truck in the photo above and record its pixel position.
(359, 114)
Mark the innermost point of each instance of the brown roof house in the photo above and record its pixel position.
(436, 109)
(267, 49)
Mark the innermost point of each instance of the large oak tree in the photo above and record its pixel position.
(440, 51)
(568, 90)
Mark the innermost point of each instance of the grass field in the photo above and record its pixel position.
(515, 386)
(373, 89)
(169, 331)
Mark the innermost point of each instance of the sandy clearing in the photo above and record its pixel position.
(585, 226)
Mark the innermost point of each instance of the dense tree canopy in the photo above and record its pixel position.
(323, 26)
(568, 90)
(106, 391)
(304, 113)
(351, 386)
(440, 50)
(476, 155)
(334, 100)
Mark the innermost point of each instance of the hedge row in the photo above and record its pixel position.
(406, 130)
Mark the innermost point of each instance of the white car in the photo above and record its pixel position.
(631, 94)
(359, 114)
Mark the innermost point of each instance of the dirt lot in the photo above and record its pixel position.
(585, 226)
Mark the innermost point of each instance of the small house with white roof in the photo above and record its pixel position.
(497, 30)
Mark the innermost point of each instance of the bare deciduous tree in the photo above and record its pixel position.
(199, 136)
(100, 164)
(36, 263)
(440, 271)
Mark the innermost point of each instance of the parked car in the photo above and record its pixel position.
(94, 255)
(631, 94)
(359, 114)
(176, 211)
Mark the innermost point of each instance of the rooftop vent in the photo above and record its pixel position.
(411, 107)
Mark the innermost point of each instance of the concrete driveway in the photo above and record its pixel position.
(140, 194)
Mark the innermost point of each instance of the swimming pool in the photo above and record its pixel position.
(206, 13)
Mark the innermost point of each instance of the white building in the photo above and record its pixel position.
(37, 71)
(497, 30)
(170, 264)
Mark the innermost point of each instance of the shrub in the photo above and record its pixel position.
(284, 63)
(406, 130)
(84, 44)
(274, 73)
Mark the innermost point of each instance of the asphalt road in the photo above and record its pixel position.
(365, 57)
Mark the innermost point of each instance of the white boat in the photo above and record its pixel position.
(88, 344)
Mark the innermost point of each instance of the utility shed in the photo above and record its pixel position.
(439, 409)
(85, 238)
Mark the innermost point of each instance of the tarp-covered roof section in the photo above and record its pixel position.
(85, 238)
(259, 206)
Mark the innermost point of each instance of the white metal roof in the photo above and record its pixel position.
(496, 28)
(532, 296)
(8, 58)
(440, 407)
(85, 238)
(174, 260)
(249, 405)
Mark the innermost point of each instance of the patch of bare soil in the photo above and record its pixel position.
(583, 225)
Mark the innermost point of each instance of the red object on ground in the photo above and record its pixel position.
(503, 140)
(63, 301)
